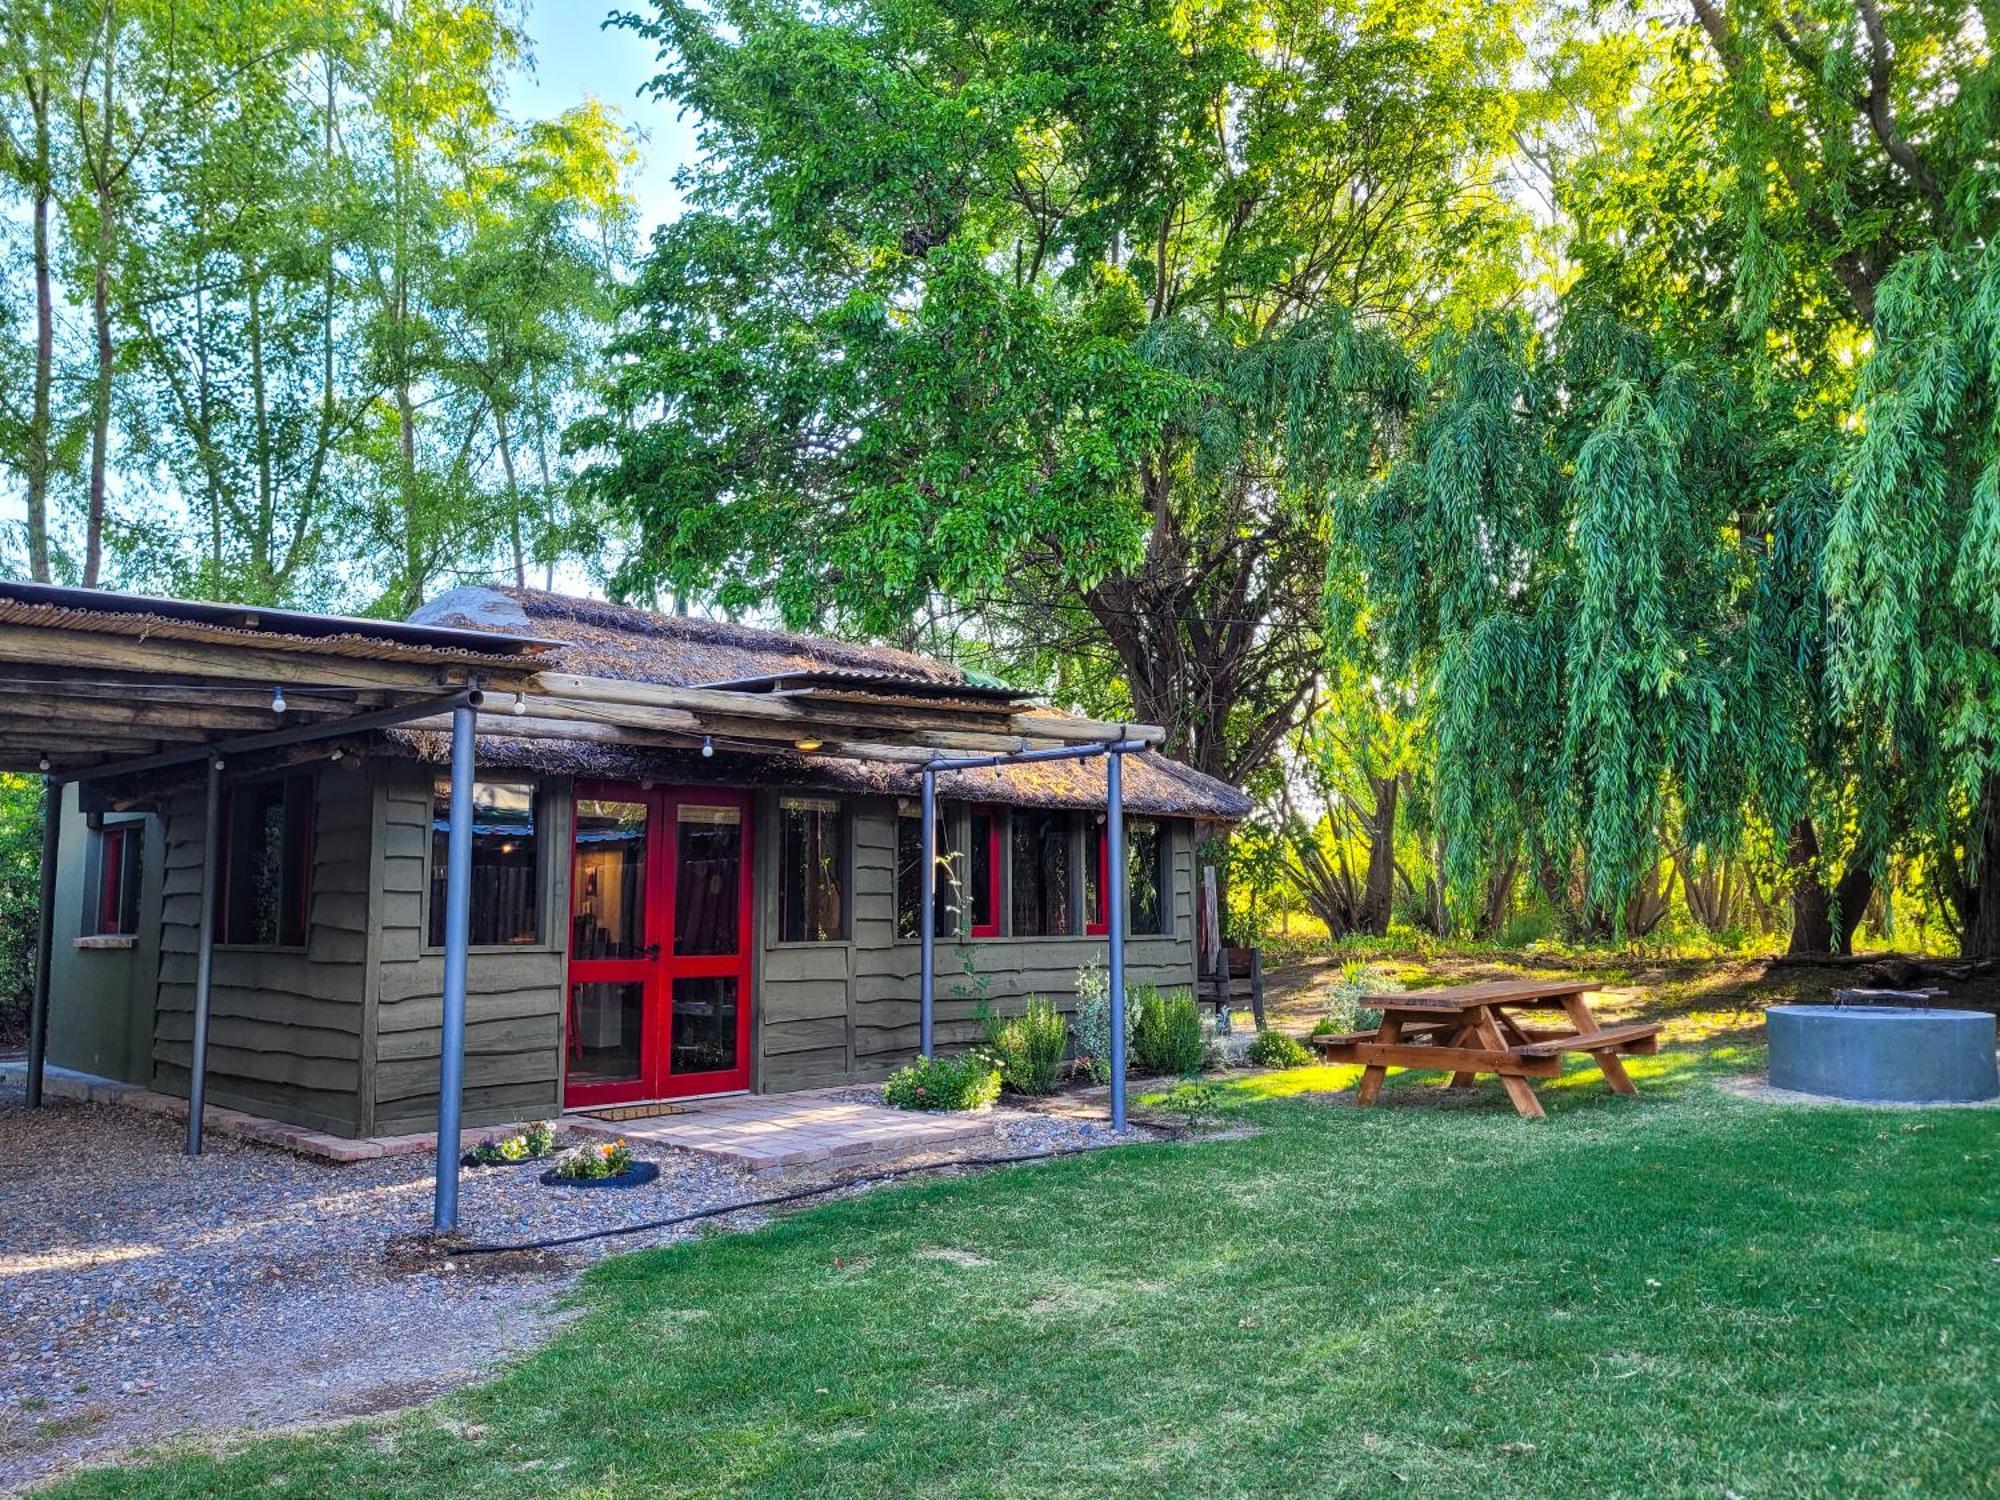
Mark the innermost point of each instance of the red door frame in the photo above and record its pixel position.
(659, 966)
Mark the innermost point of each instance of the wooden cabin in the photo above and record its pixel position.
(653, 916)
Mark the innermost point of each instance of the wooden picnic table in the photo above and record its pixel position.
(1470, 1029)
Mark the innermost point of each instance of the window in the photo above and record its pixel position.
(120, 861)
(983, 899)
(1040, 876)
(945, 880)
(506, 863)
(267, 836)
(1146, 877)
(811, 871)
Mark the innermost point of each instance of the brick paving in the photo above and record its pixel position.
(767, 1132)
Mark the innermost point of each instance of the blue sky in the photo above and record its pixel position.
(575, 59)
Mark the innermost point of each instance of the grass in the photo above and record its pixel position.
(1683, 1294)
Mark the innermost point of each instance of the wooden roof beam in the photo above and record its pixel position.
(806, 718)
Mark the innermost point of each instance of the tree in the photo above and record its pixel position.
(1060, 320)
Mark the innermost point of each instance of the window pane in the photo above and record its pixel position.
(985, 908)
(267, 856)
(706, 892)
(809, 872)
(1041, 874)
(506, 863)
(947, 882)
(120, 860)
(1145, 853)
(704, 1028)
(608, 919)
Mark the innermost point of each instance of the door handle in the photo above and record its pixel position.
(651, 950)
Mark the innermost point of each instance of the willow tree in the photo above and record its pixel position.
(1561, 562)
(1062, 317)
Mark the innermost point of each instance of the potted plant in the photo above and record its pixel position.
(606, 1165)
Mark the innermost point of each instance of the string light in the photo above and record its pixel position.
(520, 705)
(278, 700)
(707, 747)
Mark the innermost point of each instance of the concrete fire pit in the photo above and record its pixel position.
(1883, 1053)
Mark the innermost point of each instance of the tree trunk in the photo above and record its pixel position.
(40, 422)
(1979, 906)
(1377, 895)
(100, 312)
(513, 496)
(1814, 925)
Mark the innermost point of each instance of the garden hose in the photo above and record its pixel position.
(889, 1174)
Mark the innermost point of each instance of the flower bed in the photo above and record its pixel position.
(609, 1165)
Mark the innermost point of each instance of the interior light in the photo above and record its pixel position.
(808, 745)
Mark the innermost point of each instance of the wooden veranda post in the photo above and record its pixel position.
(204, 957)
(38, 1013)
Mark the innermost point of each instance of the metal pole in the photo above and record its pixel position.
(204, 956)
(927, 914)
(45, 941)
(1114, 917)
(457, 926)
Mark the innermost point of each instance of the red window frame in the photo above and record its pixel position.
(988, 929)
(111, 872)
(1097, 922)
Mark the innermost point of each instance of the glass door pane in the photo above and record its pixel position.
(606, 1021)
(608, 904)
(708, 889)
(704, 1030)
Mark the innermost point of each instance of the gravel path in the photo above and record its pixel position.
(145, 1294)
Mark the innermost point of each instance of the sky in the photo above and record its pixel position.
(575, 59)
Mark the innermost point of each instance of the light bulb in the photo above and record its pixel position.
(707, 747)
(277, 700)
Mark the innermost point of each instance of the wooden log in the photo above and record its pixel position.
(200, 718)
(1031, 724)
(89, 651)
(20, 681)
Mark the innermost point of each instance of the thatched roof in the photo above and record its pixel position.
(610, 640)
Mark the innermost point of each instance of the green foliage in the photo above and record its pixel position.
(1092, 1023)
(537, 1141)
(968, 1081)
(1168, 1037)
(1196, 1102)
(1275, 1049)
(1031, 332)
(1029, 1048)
(20, 895)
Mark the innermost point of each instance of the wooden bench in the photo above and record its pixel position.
(1639, 1039)
(1240, 981)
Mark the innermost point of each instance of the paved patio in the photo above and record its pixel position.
(769, 1132)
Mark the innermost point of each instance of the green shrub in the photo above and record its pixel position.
(1168, 1037)
(967, 1081)
(1194, 1102)
(1273, 1049)
(1093, 1021)
(1030, 1047)
(1344, 1012)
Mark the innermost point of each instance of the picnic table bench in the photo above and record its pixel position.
(1470, 1029)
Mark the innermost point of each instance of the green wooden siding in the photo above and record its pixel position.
(514, 995)
(847, 1011)
(285, 1025)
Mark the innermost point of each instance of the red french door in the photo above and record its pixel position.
(659, 956)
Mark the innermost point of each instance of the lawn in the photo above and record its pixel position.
(1687, 1293)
